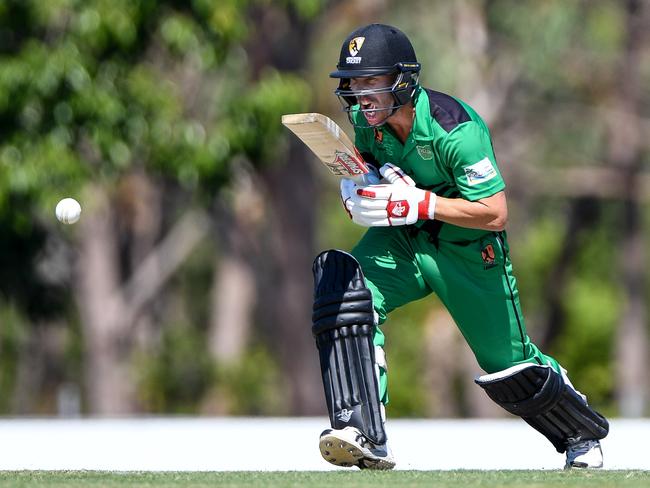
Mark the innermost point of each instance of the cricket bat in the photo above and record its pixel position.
(328, 141)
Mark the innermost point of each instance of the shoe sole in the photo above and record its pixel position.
(580, 465)
(343, 453)
(339, 452)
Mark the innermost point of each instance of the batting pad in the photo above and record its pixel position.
(539, 395)
(343, 326)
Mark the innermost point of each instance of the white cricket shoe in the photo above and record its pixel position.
(349, 447)
(584, 454)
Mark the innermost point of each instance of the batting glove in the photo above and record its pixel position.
(399, 202)
(349, 187)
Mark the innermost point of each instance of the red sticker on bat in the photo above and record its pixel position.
(345, 164)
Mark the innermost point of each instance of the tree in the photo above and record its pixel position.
(133, 108)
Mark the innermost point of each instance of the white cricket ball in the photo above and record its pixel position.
(68, 211)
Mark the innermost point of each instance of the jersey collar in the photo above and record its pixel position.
(422, 130)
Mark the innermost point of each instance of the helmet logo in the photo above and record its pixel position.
(355, 45)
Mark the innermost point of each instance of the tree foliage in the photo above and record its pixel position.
(99, 96)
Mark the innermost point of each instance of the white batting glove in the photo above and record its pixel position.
(399, 202)
(349, 187)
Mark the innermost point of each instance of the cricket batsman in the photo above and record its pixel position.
(436, 214)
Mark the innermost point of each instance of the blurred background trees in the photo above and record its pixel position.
(186, 286)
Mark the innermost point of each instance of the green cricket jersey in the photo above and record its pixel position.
(449, 151)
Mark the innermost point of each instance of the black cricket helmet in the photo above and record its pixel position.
(373, 50)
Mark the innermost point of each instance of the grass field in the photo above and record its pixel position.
(329, 479)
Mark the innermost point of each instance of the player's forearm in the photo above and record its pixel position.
(488, 214)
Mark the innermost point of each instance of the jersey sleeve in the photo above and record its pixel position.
(469, 155)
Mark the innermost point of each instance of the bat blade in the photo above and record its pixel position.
(329, 143)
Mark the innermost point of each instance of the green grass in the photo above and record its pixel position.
(331, 479)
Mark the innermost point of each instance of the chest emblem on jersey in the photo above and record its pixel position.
(425, 152)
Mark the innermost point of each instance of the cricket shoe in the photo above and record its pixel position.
(349, 447)
(584, 454)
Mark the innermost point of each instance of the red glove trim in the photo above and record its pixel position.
(366, 193)
(423, 206)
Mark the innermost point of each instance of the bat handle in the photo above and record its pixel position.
(366, 179)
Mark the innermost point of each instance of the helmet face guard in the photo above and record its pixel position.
(402, 90)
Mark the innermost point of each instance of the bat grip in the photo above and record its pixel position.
(370, 178)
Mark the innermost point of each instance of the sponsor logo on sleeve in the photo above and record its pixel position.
(479, 172)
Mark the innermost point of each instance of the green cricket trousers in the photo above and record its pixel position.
(473, 279)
